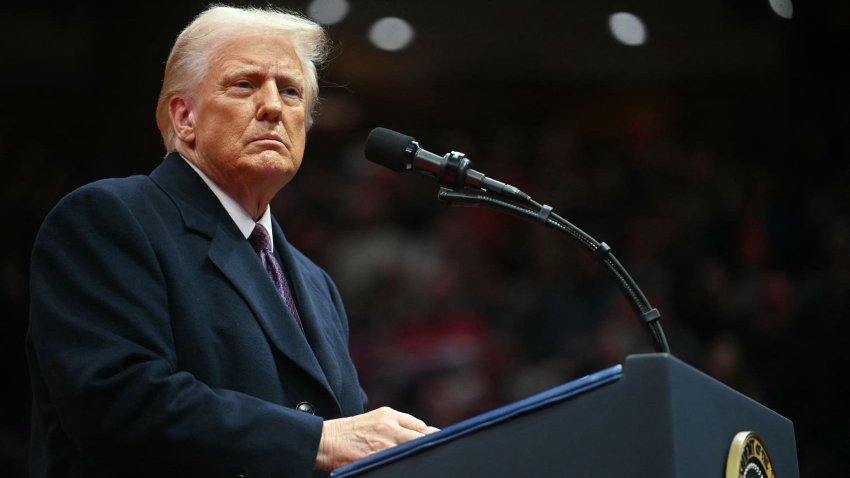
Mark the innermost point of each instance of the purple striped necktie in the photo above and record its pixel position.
(259, 238)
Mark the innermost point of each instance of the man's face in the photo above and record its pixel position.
(249, 112)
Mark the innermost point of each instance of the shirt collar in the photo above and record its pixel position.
(243, 221)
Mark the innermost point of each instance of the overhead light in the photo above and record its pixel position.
(391, 34)
(783, 8)
(328, 12)
(627, 28)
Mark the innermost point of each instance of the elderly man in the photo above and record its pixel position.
(173, 329)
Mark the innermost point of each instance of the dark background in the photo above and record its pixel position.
(714, 160)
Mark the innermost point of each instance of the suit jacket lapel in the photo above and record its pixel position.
(313, 318)
(236, 259)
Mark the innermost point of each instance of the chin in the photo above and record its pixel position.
(271, 164)
(274, 161)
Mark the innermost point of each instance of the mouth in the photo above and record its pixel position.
(270, 137)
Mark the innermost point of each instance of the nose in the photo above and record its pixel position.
(270, 106)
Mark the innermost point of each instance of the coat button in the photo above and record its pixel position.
(306, 407)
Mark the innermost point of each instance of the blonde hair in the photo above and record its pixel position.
(189, 58)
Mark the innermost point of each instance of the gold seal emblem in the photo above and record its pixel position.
(748, 458)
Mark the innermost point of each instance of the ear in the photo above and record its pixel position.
(182, 118)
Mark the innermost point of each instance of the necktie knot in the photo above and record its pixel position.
(259, 239)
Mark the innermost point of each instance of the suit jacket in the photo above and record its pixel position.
(158, 346)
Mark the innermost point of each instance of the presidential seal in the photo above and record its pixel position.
(748, 458)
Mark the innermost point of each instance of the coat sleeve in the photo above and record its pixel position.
(101, 347)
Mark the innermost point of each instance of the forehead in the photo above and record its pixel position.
(271, 54)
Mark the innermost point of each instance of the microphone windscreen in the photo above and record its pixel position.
(388, 148)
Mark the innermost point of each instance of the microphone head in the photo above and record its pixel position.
(388, 148)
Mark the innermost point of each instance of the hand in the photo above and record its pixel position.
(348, 439)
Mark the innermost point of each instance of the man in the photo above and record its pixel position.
(173, 330)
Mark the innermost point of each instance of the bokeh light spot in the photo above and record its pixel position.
(328, 12)
(391, 34)
(627, 28)
(783, 8)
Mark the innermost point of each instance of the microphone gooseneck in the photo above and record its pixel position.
(465, 186)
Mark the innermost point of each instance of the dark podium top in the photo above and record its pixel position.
(655, 417)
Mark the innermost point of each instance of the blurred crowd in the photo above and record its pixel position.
(455, 311)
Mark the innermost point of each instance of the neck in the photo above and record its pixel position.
(252, 196)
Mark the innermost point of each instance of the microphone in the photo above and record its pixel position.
(403, 154)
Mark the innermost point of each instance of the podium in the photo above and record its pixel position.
(654, 416)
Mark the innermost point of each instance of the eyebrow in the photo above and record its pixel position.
(252, 70)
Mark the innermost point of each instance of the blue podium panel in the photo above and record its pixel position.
(483, 421)
(656, 417)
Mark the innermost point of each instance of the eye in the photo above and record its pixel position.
(290, 91)
(243, 84)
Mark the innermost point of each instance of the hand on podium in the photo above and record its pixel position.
(345, 440)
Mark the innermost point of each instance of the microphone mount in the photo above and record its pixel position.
(453, 170)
